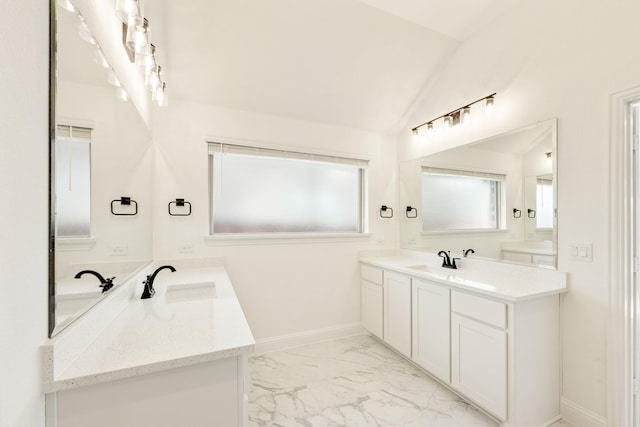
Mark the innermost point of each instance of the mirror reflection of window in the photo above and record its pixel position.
(462, 200)
(73, 181)
(544, 203)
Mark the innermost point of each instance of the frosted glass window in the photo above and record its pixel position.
(72, 183)
(268, 191)
(459, 200)
(544, 203)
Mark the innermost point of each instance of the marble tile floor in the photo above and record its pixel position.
(351, 382)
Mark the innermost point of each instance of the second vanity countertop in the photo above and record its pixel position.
(510, 283)
(194, 317)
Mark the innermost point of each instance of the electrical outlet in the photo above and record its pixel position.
(186, 248)
(118, 250)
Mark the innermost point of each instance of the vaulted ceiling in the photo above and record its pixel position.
(355, 63)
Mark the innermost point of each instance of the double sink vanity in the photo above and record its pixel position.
(489, 331)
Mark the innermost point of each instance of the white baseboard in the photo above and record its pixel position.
(577, 415)
(282, 342)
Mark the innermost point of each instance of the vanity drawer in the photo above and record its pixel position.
(371, 274)
(485, 310)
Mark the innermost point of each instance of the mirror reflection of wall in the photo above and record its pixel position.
(102, 152)
(495, 196)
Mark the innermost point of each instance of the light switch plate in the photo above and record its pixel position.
(581, 251)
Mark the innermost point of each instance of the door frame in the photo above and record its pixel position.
(620, 339)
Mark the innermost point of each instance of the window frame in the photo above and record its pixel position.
(80, 134)
(501, 196)
(213, 239)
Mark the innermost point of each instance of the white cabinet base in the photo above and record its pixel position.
(206, 394)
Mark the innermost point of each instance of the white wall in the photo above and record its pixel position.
(284, 288)
(24, 47)
(120, 166)
(555, 59)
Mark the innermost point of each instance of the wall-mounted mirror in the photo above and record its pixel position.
(496, 196)
(100, 154)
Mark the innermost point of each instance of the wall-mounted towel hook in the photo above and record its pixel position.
(517, 213)
(179, 203)
(531, 213)
(386, 212)
(124, 201)
(411, 212)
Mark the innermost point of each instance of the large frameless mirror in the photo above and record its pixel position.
(496, 196)
(100, 176)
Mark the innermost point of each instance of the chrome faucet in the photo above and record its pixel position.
(466, 252)
(105, 284)
(447, 260)
(148, 284)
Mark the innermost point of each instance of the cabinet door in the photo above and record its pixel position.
(372, 308)
(397, 312)
(479, 363)
(430, 346)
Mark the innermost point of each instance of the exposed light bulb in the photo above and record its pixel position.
(160, 95)
(430, 130)
(138, 35)
(112, 78)
(122, 94)
(147, 59)
(127, 11)
(99, 58)
(489, 106)
(466, 115)
(84, 32)
(153, 79)
(447, 122)
(67, 5)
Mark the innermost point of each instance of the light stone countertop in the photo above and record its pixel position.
(162, 332)
(505, 282)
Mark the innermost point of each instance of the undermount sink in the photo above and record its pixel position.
(421, 267)
(190, 292)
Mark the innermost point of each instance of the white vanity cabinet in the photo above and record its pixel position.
(430, 325)
(500, 349)
(372, 292)
(397, 312)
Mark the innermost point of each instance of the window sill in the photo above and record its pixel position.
(461, 232)
(282, 238)
(67, 244)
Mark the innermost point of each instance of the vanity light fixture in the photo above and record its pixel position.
(457, 116)
(548, 154)
(136, 38)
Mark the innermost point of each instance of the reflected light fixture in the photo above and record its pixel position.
(67, 5)
(457, 116)
(99, 58)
